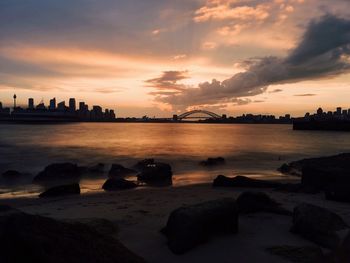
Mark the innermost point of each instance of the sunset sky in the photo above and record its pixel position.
(160, 57)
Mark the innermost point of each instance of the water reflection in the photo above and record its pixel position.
(248, 149)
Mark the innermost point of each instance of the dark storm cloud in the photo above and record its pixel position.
(330, 34)
(168, 81)
(321, 53)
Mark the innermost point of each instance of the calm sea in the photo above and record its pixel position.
(253, 150)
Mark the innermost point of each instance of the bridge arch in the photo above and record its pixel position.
(192, 112)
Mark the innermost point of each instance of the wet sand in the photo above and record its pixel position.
(140, 214)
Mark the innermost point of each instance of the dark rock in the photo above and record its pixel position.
(242, 181)
(118, 170)
(156, 173)
(314, 177)
(338, 192)
(319, 178)
(97, 169)
(340, 161)
(251, 202)
(318, 173)
(293, 168)
(59, 172)
(69, 189)
(144, 163)
(192, 225)
(33, 238)
(318, 224)
(213, 161)
(12, 175)
(113, 184)
(83, 169)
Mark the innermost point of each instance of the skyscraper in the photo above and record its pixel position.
(112, 114)
(52, 104)
(81, 106)
(31, 103)
(338, 111)
(61, 106)
(72, 105)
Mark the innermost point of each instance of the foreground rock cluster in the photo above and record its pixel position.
(61, 179)
(188, 226)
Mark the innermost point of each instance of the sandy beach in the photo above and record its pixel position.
(140, 214)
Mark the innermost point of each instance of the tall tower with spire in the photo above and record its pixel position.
(14, 101)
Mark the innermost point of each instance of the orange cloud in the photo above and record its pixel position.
(223, 11)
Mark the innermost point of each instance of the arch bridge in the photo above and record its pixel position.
(189, 115)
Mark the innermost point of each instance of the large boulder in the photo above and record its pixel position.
(61, 190)
(156, 173)
(213, 161)
(318, 225)
(192, 225)
(243, 181)
(118, 170)
(114, 184)
(58, 172)
(315, 177)
(338, 192)
(33, 238)
(318, 173)
(12, 175)
(319, 178)
(144, 163)
(251, 202)
(341, 161)
(290, 169)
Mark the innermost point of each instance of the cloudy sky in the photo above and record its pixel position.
(159, 57)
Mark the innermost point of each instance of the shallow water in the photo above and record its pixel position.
(254, 150)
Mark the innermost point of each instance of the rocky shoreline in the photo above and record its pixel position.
(308, 221)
